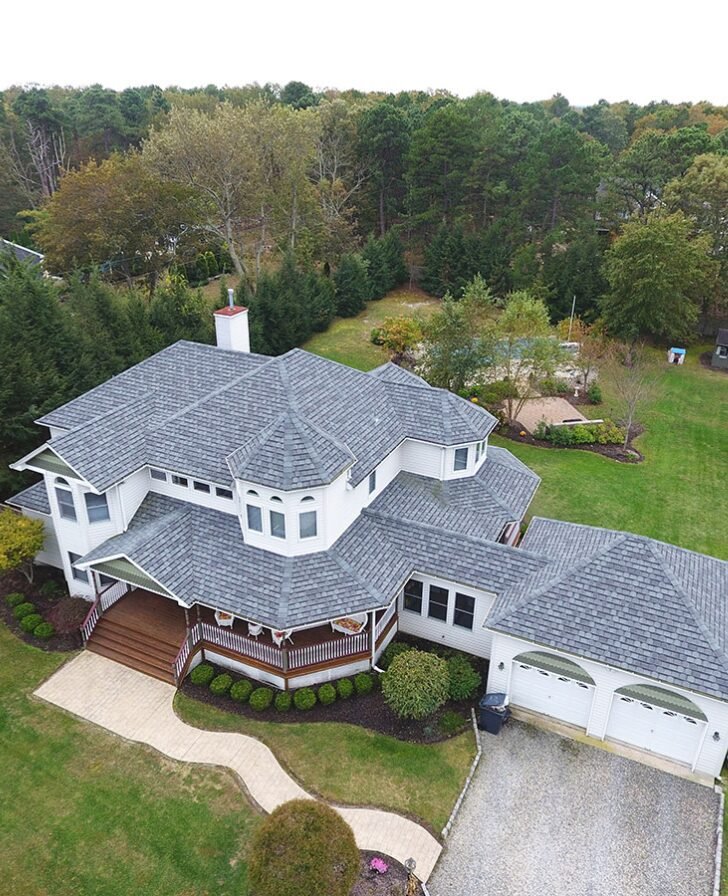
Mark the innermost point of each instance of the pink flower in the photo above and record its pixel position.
(379, 865)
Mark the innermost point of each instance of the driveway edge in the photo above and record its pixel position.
(719, 841)
(478, 753)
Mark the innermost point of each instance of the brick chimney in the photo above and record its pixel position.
(231, 326)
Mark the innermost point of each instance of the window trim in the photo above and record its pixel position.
(470, 613)
(63, 488)
(456, 459)
(157, 475)
(104, 506)
(180, 481)
(373, 481)
(431, 603)
(274, 534)
(309, 514)
(203, 487)
(248, 509)
(228, 496)
(417, 597)
(78, 575)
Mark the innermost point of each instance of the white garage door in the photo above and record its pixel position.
(551, 693)
(660, 730)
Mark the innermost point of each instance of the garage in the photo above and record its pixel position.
(658, 720)
(552, 685)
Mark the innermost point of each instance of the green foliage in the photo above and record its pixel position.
(398, 334)
(352, 286)
(606, 433)
(304, 699)
(303, 841)
(22, 610)
(416, 684)
(202, 675)
(44, 631)
(261, 699)
(15, 598)
(21, 538)
(451, 722)
(594, 393)
(363, 683)
(30, 622)
(464, 678)
(241, 690)
(344, 688)
(220, 684)
(393, 649)
(283, 701)
(51, 588)
(326, 694)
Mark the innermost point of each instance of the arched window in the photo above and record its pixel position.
(307, 498)
(252, 493)
(276, 499)
(64, 496)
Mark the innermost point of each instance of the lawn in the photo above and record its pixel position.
(83, 812)
(348, 764)
(347, 339)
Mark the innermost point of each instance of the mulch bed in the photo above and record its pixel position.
(366, 710)
(66, 613)
(616, 452)
(392, 883)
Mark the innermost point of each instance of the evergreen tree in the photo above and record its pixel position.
(352, 285)
(376, 262)
(393, 260)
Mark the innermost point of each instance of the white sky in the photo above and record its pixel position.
(517, 49)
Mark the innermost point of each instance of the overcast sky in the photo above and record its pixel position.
(517, 49)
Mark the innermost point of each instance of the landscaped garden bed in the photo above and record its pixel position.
(392, 882)
(41, 612)
(615, 451)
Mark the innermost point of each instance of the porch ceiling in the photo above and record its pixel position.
(123, 569)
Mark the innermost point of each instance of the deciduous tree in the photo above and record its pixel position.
(21, 538)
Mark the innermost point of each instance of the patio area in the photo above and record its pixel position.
(550, 410)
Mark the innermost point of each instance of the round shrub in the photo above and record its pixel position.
(594, 393)
(24, 609)
(44, 631)
(416, 684)
(241, 690)
(12, 600)
(29, 622)
(220, 684)
(464, 679)
(304, 699)
(393, 649)
(363, 682)
(50, 588)
(303, 846)
(344, 688)
(261, 699)
(283, 701)
(326, 694)
(202, 674)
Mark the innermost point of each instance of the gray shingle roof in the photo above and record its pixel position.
(625, 600)
(199, 555)
(28, 256)
(193, 406)
(33, 498)
(722, 337)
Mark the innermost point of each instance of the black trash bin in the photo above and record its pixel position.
(493, 713)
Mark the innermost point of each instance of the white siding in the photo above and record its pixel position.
(608, 679)
(251, 671)
(478, 641)
(423, 458)
(132, 491)
(182, 493)
(51, 553)
(323, 675)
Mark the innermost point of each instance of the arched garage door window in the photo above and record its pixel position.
(663, 699)
(558, 665)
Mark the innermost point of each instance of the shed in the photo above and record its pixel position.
(719, 357)
(676, 356)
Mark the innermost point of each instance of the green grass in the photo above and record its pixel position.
(347, 339)
(83, 812)
(678, 494)
(348, 764)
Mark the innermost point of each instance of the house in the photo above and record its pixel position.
(286, 516)
(21, 253)
(719, 358)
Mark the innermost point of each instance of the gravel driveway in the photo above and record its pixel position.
(546, 816)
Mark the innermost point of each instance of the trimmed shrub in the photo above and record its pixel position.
(363, 683)
(12, 600)
(44, 631)
(24, 609)
(241, 690)
(416, 684)
(451, 722)
(202, 674)
(304, 699)
(283, 701)
(29, 622)
(261, 699)
(303, 846)
(393, 649)
(326, 694)
(50, 588)
(344, 688)
(464, 679)
(220, 684)
(594, 393)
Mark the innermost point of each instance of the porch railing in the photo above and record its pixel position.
(263, 653)
(111, 594)
(385, 620)
(328, 650)
(194, 636)
(92, 617)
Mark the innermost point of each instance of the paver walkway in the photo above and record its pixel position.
(139, 708)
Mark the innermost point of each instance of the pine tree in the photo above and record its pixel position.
(352, 285)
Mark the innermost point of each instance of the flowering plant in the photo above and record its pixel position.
(379, 865)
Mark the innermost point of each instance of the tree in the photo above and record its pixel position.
(593, 346)
(657, 275)
(384, 135)
(352, 285)
(298, 95)
(416, 684)
(632, 377)
(21, 538)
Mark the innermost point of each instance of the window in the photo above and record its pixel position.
(477, 452)
(722, 351)
(80, 575)
(307, 498)
(158, 474)
(224, 493)
(201, 487)
(437, 608)
(255, 517)
(277, 524)
(105, 581)
(64, 496)
(97, 507)
(461, 459)
(372, 481)
(180, 480)
(307, 524)
(251, 492)
(464, 611)
(413, 596)
(276, 499)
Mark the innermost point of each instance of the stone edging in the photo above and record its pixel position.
(719, 841)
(479, 752)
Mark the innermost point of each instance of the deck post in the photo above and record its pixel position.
(284, 658)
(373, 635)
(187, 620)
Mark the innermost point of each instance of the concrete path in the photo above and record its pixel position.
(139, 708)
